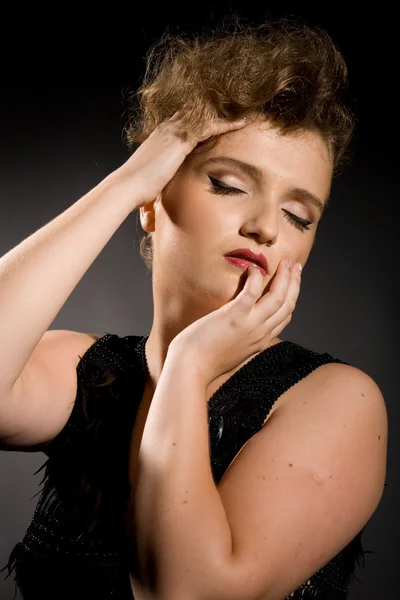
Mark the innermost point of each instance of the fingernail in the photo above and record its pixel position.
(300, 268)
(289, 264)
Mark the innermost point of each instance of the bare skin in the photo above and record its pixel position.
(193, 227)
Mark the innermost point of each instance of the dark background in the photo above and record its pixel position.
(61, 119)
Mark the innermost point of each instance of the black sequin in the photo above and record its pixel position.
(74, 545)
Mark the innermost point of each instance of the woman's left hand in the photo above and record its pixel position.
(223, 339)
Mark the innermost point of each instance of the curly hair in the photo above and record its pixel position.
(284, 70)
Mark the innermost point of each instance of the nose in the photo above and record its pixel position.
(262, 224)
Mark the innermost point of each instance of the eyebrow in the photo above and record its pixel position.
(256, 173)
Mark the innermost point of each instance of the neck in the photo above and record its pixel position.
(156, 349)
(172, 314)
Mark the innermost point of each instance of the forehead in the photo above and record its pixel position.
(262, 136)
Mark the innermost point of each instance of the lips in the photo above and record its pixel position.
(249, 255)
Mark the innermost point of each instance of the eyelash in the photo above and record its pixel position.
(217, 187)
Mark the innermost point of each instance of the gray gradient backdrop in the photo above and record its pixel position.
(61, 134)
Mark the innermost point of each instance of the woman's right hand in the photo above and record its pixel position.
(159, 157)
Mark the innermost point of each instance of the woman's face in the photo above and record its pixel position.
(213, 205)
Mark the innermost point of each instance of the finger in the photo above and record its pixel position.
(274, 299)
(281, 280)
(279, 328)
(222, 126)
(212, 129)
(286, 308)
(177, 116)
(247, 298)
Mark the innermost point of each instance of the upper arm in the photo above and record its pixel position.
(304, 485)
(43, 396)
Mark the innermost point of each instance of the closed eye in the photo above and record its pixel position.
(223, 187)
(219, 187)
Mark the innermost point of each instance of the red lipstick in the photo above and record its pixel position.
(242, 257)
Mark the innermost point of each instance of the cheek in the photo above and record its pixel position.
(292, 245)
(178, 230)
(189, 212)
(304, 252)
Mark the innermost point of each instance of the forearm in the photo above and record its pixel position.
(38, 275)
(180, 521)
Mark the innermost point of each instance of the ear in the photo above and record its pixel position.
(147, 216)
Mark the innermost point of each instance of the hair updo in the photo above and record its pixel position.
(284, 70)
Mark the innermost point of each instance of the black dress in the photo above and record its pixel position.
(74, 546)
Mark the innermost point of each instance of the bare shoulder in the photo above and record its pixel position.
(345, 383)
(344, 395)
(44, 395)
(337, 393)
(338, 380)
(353, 388)
(335, 381)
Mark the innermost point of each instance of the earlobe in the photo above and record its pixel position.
(147, 217)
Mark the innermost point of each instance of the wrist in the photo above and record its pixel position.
(130, 187)
(182, 357)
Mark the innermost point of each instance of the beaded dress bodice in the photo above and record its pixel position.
(74, 544)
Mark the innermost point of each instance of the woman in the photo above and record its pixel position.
(210, 459)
